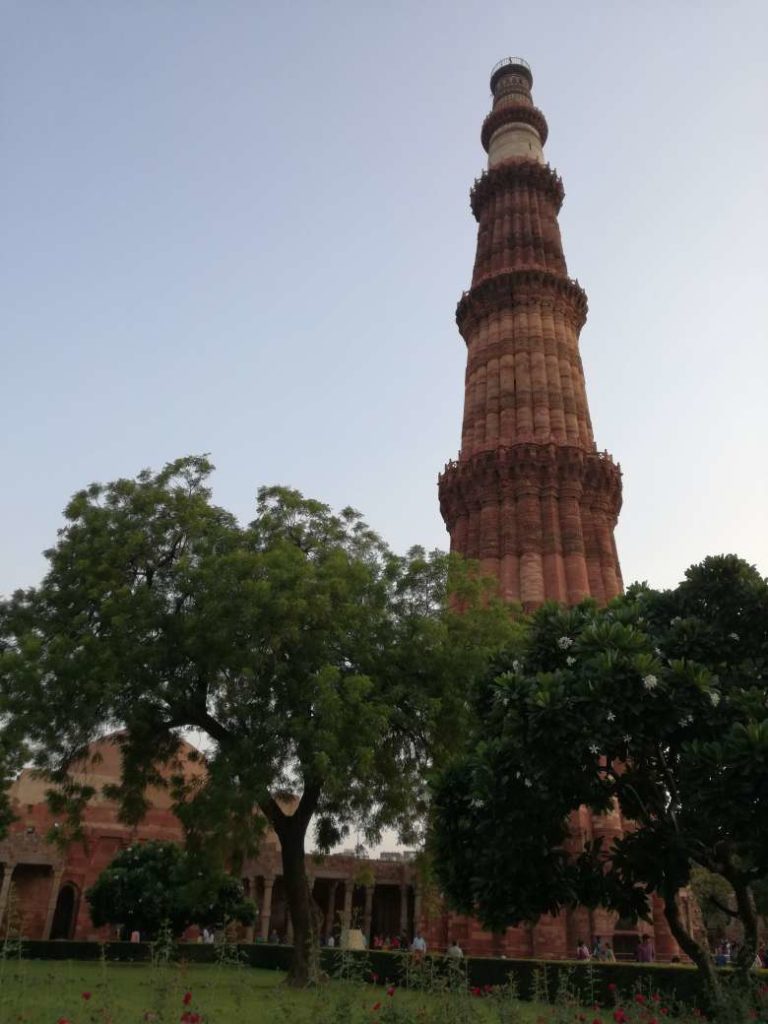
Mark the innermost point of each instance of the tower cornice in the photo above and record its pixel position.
(513, 174)
(507, 289)
(513, 113)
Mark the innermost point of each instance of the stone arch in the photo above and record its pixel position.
(65, 914)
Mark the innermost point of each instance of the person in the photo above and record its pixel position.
(644, 951)
(597, 948)
(419, 944)
(330, 942)
(378, 942)
(404, 943)
(274, 938)
(395, 943)
(608, 953)
(454, 951)
(720, 958)
(582, 950)
(135, 935)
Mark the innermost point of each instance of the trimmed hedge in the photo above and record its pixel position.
(674, 981)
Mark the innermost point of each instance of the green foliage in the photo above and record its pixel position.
(655, 705)
(156, 886)
(321, 667)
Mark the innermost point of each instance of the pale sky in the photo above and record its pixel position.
(242, 227)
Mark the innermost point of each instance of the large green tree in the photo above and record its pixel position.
(657, 704)
(326, 673)
(151, 885)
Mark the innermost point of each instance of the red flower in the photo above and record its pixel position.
(611, 987)
(376, 1006)
(62, 1020)
(640, 998)
(597, 1021)
(619, 1016)
(187, 998)
(86, 995)
(656, 997)
(391, 990)
(664, 1010)
(476, 991)
(188, 1017)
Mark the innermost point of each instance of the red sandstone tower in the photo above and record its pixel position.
(529, 496)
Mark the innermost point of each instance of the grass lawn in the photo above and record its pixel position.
(49, 992)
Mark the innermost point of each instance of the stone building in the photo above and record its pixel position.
(530, 496)
(42, 886)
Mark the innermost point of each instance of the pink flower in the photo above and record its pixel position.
(391, 990)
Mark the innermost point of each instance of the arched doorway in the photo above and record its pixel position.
(64, 916)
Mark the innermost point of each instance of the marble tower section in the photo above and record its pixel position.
(529, 496)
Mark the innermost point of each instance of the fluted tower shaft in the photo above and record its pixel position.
(529, 496)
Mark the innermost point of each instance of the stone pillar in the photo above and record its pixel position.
(349, 891)
(52, 899)
(403, 909)
(266, 908)
(250, 930)
(5, 887)
(368, 914)
(330, 913)
(417, 908)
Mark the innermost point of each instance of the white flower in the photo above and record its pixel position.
(611, 717)
(593, 748)
(733, 636)
(627, 738)
(516, 666)
(475, 802)
(714, 696)
(650, 682)
(674, 622)
(570, 660)
(686, 720)
(528, 783)
(564, 643)
(657, 652)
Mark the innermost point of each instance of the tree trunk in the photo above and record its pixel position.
(700, 955)
(747, 914)
(305, 965)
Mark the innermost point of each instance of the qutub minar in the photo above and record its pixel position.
(529, 496)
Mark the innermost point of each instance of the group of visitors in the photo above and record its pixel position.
(398, 942)
(602, 950)
(727, 952)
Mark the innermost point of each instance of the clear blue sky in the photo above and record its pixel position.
(241, 227)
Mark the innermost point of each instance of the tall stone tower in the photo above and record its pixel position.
(529, 496)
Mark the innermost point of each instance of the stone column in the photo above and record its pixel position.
(403, 909)
(5, 888)
(330, 913)
(349, 891)
(250, 930)
(368, 914)
(52, 899)
(417, 908)
(266, 908)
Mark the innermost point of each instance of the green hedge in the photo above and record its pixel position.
(674, 981)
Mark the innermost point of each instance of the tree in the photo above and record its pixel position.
(150, 885)
(656, 704)
(326, 672)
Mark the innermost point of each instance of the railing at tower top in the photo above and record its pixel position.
(510, 60)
